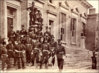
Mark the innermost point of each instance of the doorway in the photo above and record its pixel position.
(11, 18)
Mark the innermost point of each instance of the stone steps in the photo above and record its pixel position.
(75, 57)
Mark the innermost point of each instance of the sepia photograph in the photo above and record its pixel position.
(49, 36)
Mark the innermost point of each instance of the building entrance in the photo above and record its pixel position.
(11, 15)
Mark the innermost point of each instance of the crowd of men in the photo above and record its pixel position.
(25, 48)
(31, 46)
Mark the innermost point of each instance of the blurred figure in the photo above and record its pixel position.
(10, 50)
(23, 32)
(12, 35)
(94, 61)
(4, 55)
(60, 52)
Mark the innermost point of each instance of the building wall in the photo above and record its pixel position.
(4, 14)
(92, 32)
(50, 11)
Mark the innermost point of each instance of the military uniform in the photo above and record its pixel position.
(23, 32)
(19, 52)
(47, 36)
(35, 56)
(28, 49)
(94, 61)
(32, 14)
(11, 36)
(10, 50)
(4, 56)
(46, 53)
(60, 52)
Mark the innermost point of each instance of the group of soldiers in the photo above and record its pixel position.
(25, 49)
(31, 46)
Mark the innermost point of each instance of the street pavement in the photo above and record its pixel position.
(53, 69)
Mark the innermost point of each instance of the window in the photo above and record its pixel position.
(73, 26)
(77, 10)
(63, 26)
(51, 24)
(73, 31)
(50, 1)
(83, 30)
(62, 33)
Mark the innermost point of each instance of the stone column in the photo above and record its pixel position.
(3, 19)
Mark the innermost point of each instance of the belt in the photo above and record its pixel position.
(10, 50)
(4, 54)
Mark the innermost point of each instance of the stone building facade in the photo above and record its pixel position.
(92, 31)
(66, 18)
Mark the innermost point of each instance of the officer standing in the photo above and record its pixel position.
(28, 49)
(60, 52)
(10, 50)
(20, 51)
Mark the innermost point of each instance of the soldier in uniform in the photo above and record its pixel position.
(10, 50)
(53, 50)
(32, 14)
(60, 52)
(39, 18)
(11, 35)
(47, 35)
(94, 61)
(32, 33)
(46, 53)
(17, 35)
(35, 56)
(23, 32)
(28, 49)
(4, 55)
(20, 51)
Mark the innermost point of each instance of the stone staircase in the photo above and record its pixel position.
(77, 58)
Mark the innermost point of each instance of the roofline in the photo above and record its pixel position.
(86, 3)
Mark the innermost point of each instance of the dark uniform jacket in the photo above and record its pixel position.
(10, 49)
(3, 52)
(60, 52)
(19, 50)
(23, 32)
(12, 35)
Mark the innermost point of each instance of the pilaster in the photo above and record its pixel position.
(3, 19)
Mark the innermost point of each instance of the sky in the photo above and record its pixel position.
(95, 4)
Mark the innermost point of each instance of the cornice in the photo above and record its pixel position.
(85, 4)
